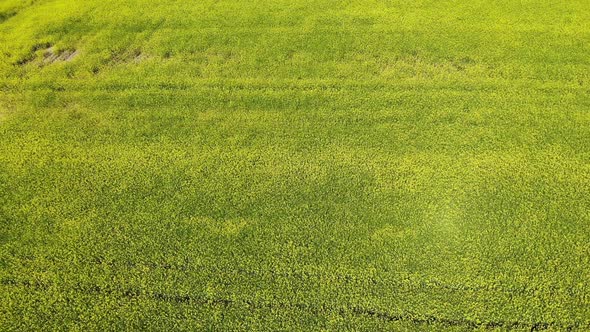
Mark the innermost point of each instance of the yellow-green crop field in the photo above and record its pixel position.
(294, 165)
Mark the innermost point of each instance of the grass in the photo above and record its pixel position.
(294, 165)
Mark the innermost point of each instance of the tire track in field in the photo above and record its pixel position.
(316, 309)
(343, 278)
(12, 12)
(5, 16)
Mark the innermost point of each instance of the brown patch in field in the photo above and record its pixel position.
(69, 56)
(50, 55)
(128, 56)
(139, 57)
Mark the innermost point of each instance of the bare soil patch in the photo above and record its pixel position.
(50, 55)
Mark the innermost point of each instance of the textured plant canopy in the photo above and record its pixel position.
(294, 165)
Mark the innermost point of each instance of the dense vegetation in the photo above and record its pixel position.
(294, 165)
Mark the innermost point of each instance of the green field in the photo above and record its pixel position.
(274, 165)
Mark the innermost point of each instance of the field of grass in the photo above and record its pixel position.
(294, 165)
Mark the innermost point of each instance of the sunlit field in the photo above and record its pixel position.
(274, 165)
